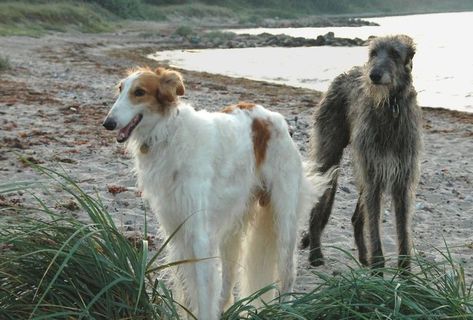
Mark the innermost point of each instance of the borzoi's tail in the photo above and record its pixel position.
(260, 253)
(271, 236)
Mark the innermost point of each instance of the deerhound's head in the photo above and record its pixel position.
(390, 62)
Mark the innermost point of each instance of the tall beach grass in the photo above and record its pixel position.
(57, 267)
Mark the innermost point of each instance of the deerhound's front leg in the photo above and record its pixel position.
(358, 222)
(372, 202)
(403, 200)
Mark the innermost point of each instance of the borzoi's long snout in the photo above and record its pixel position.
(123, 117)
(109, 123)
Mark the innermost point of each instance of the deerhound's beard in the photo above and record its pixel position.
(379, 94)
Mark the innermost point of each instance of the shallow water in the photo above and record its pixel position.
(442, 71)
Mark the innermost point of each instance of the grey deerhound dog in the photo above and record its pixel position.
(374, 108)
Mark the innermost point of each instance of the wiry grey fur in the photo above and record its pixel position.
(374, 108)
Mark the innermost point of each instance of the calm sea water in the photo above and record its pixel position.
(443, 65)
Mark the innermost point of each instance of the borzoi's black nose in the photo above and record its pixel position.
(376, 76)
(109, 124)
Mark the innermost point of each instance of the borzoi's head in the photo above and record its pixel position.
(145, 97)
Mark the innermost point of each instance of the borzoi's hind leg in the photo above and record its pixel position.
(284, 203)
(358, 222)
(230, 256)
(403, 200)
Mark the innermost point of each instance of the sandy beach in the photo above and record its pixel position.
(60, 87)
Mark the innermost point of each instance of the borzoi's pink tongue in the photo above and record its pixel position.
(125, 132)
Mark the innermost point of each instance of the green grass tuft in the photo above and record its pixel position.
(184, 31)
(4, 63)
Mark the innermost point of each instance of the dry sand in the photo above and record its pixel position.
(61, 86)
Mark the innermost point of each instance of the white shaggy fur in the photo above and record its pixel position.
(199, 169)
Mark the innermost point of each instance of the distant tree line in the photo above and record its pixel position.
(133, 8)
(332, 6)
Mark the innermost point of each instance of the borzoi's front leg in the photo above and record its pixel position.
(230, 256)
(207, 276)
(200, 239)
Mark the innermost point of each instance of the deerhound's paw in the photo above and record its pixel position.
(317, 262)
(316, 258)
(305, 241)
(363, 260)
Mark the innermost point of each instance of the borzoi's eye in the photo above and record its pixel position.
(139, 92)
(120, 87)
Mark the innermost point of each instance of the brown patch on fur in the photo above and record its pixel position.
(240, 105)
(160, 87)
(246, 106)
(171, 84)
(149, 83)
(261, 134)
(138, 69)
(144, 148)
(264, 197)
(228, 109)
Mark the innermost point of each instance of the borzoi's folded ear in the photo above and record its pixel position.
(171, 85)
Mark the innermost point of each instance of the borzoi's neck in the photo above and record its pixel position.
(157, 137)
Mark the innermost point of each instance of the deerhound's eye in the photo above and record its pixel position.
(373, 53)
(139, 92)
(393, 53)
(120, 87)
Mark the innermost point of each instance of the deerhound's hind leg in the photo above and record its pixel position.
(358, 222)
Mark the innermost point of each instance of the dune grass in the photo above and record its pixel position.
(186, 10)
(4, 63)
(35, 19)
(433, 291)
(58, 267)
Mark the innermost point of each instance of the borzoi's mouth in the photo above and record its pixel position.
(124, 133)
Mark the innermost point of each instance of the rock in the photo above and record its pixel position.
(320, 41)
(345, 189)
(329, 36)
(270, 40)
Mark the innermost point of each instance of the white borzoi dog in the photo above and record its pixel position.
(233, 179)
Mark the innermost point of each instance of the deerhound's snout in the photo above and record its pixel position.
(376, 76)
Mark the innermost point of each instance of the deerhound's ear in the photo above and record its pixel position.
(410, 50)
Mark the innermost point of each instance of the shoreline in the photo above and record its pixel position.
(61, 86)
